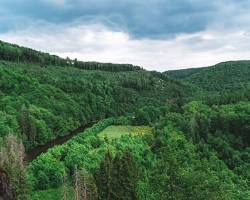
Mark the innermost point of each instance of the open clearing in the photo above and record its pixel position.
(115, 131)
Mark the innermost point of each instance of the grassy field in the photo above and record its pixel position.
(113, 132)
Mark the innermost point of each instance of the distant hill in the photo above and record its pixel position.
(15, 53)
(182, 73)
(224, 76)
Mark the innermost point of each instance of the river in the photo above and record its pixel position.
(38, 150)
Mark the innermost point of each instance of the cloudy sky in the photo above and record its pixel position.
(156, 34)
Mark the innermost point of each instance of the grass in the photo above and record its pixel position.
(113, 132)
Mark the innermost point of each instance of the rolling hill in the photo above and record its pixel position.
(226, 76)
(47, 96)
(116, 131)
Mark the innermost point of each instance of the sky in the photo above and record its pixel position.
(155, 34)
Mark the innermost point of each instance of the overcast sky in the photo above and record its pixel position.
(156, 34)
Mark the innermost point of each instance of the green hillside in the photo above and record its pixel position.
(226, 76)
(45, 96)
(46, 102)
(177, 135)
(182, 73)
(15, 53)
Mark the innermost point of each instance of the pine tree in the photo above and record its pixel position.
(128, 176)
(117, 178)
(103, 178)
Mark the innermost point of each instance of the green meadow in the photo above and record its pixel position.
(116, 131)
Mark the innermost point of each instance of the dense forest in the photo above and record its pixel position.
(196, 145)
(226, 76)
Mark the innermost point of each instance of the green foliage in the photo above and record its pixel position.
(224, 76)
(181, 173)
(223, 129)
(198, 146)
(103, 177)
(48, 172)
(48, 169)
(8, 124)
(52, 194)
(166, 166)
(49, 102)
(117, 177)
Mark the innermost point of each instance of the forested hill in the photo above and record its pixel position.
(182, 73)
(226, 76)
(43, 97)
(15, 53)
(156, 137)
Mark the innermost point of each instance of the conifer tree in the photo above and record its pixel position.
(103, 178)
(117, 178)
(126, 177)
(116, 181)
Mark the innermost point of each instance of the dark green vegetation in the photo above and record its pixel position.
(15, 53)
(224, 83)
(198, 146)
(226, 76)
(41, 103)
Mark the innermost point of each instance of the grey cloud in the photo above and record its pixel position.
(141, 19)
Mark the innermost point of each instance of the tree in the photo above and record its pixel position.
(124, 177)
(84, 185)
(23, 119)
(12, 161)
(48, 172)
(103, 178)
(117, 178)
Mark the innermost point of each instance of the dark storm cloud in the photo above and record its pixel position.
(141, 19)
(150, 33)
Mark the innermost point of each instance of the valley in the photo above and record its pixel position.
(74, 130)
